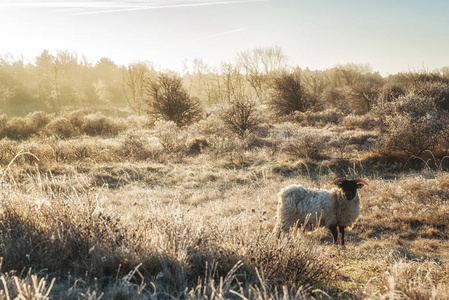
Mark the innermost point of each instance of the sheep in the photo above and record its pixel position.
(312, 208)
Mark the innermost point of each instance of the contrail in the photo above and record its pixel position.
(65, 4)
(217, 34)
(147, 7)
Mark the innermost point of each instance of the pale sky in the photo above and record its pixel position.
(390, 35)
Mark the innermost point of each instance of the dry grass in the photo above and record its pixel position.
(168, 238)
(122, 216)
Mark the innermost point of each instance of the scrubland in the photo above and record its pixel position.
(132, 183)
(127, 210)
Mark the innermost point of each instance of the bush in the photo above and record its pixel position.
(317, 119)
(61, 127)
(167, 99)
(37, 120)
(364, 122)
(309, 146)
(412, 125)
(97, 124)
(335, 97)
(439, 92)
(292, 262)
(289, 95)
(135, 147)
(241, 117)
(77, 117)
(388, 94)
(19, 128)
(431, 85)
(8, 149)
(172, 138)
(16, 128)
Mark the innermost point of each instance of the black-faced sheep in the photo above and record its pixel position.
(312, 208)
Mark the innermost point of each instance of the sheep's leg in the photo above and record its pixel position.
(334, 232)
(342, 232)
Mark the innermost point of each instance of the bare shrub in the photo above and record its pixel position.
(81, 151)
(241, 117)
(412, 125)
(316, 119)
(391, 93)
(168, 100)
(289, 95)
(8, 149)
(334, 97)
(76, 118)
(308, 145)
(61, 151)
(429, 85)
(365, 92)
(135, 147)
(222, 146)
(98, 124)
(37, 120)
(216, 138)
(172, 138)
(61, 127)
(48, 232)
(413, 280)
(197, 146)
(19, 128)
(439, 92)
(135, 122)
(341, 145)
(16, 128)
(365, 122)
(293, 261)
(212, 124)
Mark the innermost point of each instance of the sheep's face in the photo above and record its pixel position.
(349, 187)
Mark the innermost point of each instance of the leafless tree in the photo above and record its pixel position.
(72, 83)
(134, 78)
(233, 83)
(166, 98)
(241, 116)
(288, 95)
(44, 68)
(316, 82)
(260, 65)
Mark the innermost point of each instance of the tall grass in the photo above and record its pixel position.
(67, 229)
(121, 215)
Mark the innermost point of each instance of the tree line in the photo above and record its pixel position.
(410, 110)
(67, 81)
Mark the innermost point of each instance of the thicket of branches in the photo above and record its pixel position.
(290, 96)
(262, 77)
(166, 98)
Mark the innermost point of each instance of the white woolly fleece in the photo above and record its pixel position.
(320, 207)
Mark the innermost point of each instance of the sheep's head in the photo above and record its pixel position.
(349, 187)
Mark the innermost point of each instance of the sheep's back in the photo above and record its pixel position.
(298, 203)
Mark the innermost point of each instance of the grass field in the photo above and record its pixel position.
(169, 213)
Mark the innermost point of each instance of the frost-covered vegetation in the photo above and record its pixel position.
(121, 182)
